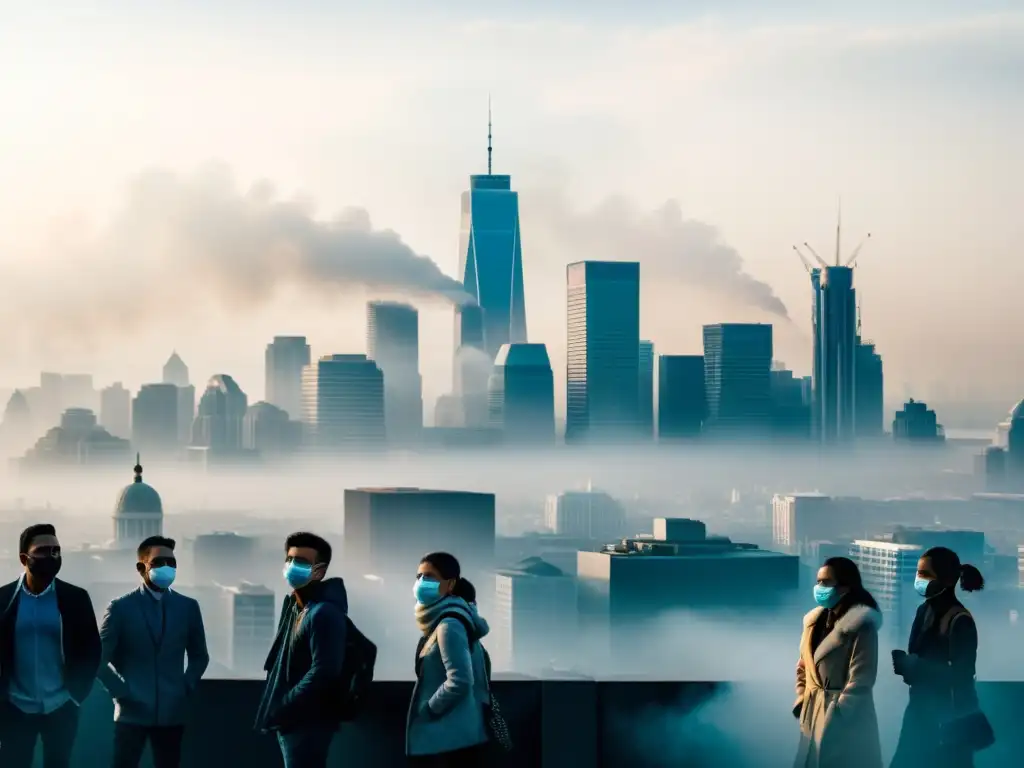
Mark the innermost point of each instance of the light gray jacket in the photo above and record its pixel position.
(447, 708)
(145, 642)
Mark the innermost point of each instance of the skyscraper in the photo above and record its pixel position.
(681, 396)
(603, 357)
(222, 408)
(176, 372)
(869, 393)
(155, 419)
(116, 410)
(284, 360)
(392, 341)
(522, 394)
(490, 258)
(645, 391)
(737, 378)
(343, 404)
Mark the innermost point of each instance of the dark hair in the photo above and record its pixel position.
(30, 533)
(445, 564)
(847, 575)
(154, 541)
(948, 568)
(464, 588)
(310, 541)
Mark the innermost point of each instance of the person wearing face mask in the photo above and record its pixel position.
(445, 726)
(939, 667)
(836, 673)
(49, 653)
(147, 635)
(304, 667)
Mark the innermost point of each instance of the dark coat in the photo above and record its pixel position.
(80, 637)
(941, 684)
(307, 690)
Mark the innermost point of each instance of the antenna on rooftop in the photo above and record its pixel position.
(490, 149)
(851, 260)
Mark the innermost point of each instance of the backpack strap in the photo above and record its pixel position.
(458, 616)
(949, 619)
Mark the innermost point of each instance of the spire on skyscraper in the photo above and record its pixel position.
(490, 149)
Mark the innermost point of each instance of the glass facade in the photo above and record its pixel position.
(737, 378)
(835, 353)
(490, 261)
(681, 396)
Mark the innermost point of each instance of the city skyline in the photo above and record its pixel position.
(562, 189)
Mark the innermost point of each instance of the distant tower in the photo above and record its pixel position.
(645, 393)
(491, 259)
(521, 393)
(138, 512)
(737, 379)
(392, 341)
(835, 333)
(175, 371)
(222, 408)
(285, 358)
(155, 425)
(116, 410)
(343, 404)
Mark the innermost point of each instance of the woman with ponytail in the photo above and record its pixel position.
(942, 725)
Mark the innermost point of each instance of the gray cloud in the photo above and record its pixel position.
(670, 247)
(181, 242)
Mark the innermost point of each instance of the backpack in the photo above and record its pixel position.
(356, 672)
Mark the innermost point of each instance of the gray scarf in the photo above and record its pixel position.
(427, 615)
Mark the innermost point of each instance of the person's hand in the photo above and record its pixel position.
(899, 662)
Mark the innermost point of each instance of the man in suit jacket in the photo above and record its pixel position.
(49, 652)
(146, 636)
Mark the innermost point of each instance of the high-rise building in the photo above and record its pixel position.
(917, 423)
(869, 383)
(252, 617)
(343, 404)
(888, 570)
(645, 393)
(223, 558)
(791, 416)
(284, 361)
(392, 341)
(267, 430)
(175, 371)
(586, 514)
(222, 408)
(521, 394)
(835, 354)
(534, 620)
(737, 378)
(681, 397)
(155, 419)
(116, 410)
(603, 350)
(491, 259)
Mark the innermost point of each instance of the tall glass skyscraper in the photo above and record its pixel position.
(392, 341)
(737, 379)
(603, 361)
(835, 354)
(491, 259)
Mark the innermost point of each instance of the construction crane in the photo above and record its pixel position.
(804, 260)
(852, 259)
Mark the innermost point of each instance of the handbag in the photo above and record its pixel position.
(494, 721)
(971, 732)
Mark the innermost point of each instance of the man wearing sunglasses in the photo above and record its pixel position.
(147, 634)
(49, 653)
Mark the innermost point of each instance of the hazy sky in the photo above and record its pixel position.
(665, 135)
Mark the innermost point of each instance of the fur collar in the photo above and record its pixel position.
(853, 621)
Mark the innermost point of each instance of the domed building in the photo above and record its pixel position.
(139, 512)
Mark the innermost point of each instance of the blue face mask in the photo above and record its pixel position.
(826, 597)
(427, 591)
(298, 575)
(921, 586)
(162, 577)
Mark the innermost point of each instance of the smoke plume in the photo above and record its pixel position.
(670, 247)
(179, 242)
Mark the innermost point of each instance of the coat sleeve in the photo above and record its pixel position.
(963, 659)
(326, 632)
(195, 648)
(453, 644)
(110, 638)
(801, 678)
(862, 672)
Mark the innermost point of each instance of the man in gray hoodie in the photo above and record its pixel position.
(303, 691)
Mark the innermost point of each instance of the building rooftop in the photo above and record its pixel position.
(533, 566)
(417, 491)
(889, 546)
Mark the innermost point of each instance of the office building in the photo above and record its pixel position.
(800, 519)
(116, 410)
(680, 567)
(603, 353)
(175, 371)
(252, 620)
(224, 558)
(737, 379)
(645, 393)
(77, 441)
(388, 530)
(888, 570)
(533, 620)
(343, 404)
(267, 430)
(392, 341)
(285, 359)
(218, 423)
(869, 393)
(521, 395)
(969, 545)
(491, 260)
(155, 426)
(586, 514)
(917, 423)
(791, 416)
(835, 353)
(681, 396)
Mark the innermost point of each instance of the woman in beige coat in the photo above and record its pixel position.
(836, 673)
